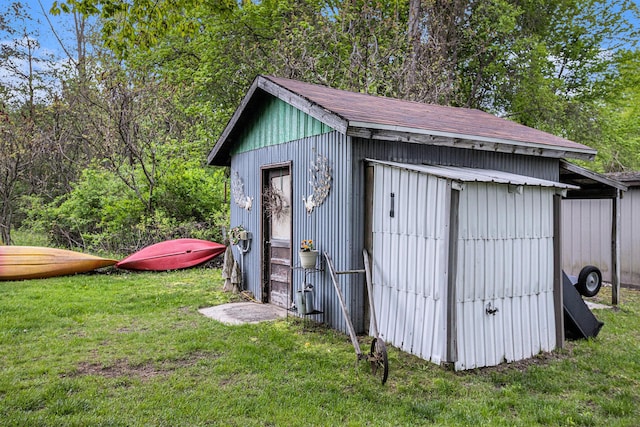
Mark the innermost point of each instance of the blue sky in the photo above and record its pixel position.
(44, 27)
(62, 24)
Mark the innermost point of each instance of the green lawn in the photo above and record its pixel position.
(132, 350)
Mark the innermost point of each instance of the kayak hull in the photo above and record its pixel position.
(32, 262)
(172, 255)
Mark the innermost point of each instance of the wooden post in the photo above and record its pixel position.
(452, 327)
(345, 311)
(557, 271)
(615, 249)
(369, 184)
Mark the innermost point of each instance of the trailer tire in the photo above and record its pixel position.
(589, 281)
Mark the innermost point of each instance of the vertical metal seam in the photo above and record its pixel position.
(451, 334)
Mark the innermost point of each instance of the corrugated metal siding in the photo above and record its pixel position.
(331, 225)
(276, 123)
(505, 258)
(410, 260)
(337, 225)
(538, 167)
(630, 244)
(586, 236)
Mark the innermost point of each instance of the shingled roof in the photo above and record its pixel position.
(381, 118)
(630, 178)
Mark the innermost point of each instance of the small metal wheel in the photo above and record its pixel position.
(378, 358)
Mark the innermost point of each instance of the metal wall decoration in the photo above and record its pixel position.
(237, 191)
(320, 183)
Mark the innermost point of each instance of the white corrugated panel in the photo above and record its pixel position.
(630, 239)
(505, 262)
(410, 259)
(586, 235)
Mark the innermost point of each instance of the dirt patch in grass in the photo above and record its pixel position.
(120, 368)
(541, 359)
(123, 368)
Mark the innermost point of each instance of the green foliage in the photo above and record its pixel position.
(494, 54)
(101, 214)
(76, 219)
(162, 79)
(539, 62)
(191, 192)
(30, 237)
(619, 120)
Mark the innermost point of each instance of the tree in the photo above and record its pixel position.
(435, 40)
(16, 156)
(619, 142)
(23, 89)
(549, 64)
(130, 123)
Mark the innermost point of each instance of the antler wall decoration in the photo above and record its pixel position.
(237, 191)
(320, 183)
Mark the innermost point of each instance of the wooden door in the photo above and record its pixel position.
(276, 213)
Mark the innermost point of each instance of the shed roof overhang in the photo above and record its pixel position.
(465, 174)
(379, 118)
(596, 186)
(592, 185)
(461, 140)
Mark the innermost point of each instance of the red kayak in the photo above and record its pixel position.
(172, 255)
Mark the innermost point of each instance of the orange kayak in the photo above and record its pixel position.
(32, 262)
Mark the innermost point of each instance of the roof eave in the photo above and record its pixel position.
(466, 174)
(449, 139)
(613, 184)
(217, 155)
(318, 112)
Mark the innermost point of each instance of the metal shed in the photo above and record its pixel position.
(599, 199)
(313, 151)
(603, 231)
(463, 265)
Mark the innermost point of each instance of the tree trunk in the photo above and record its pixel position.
(414, 43)
(5, 222)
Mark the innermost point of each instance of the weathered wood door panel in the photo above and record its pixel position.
(277, 235)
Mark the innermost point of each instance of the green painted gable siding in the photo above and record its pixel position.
(276, 123)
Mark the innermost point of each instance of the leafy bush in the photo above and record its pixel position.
(191, 192)
(101, 214)
(78, 218)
